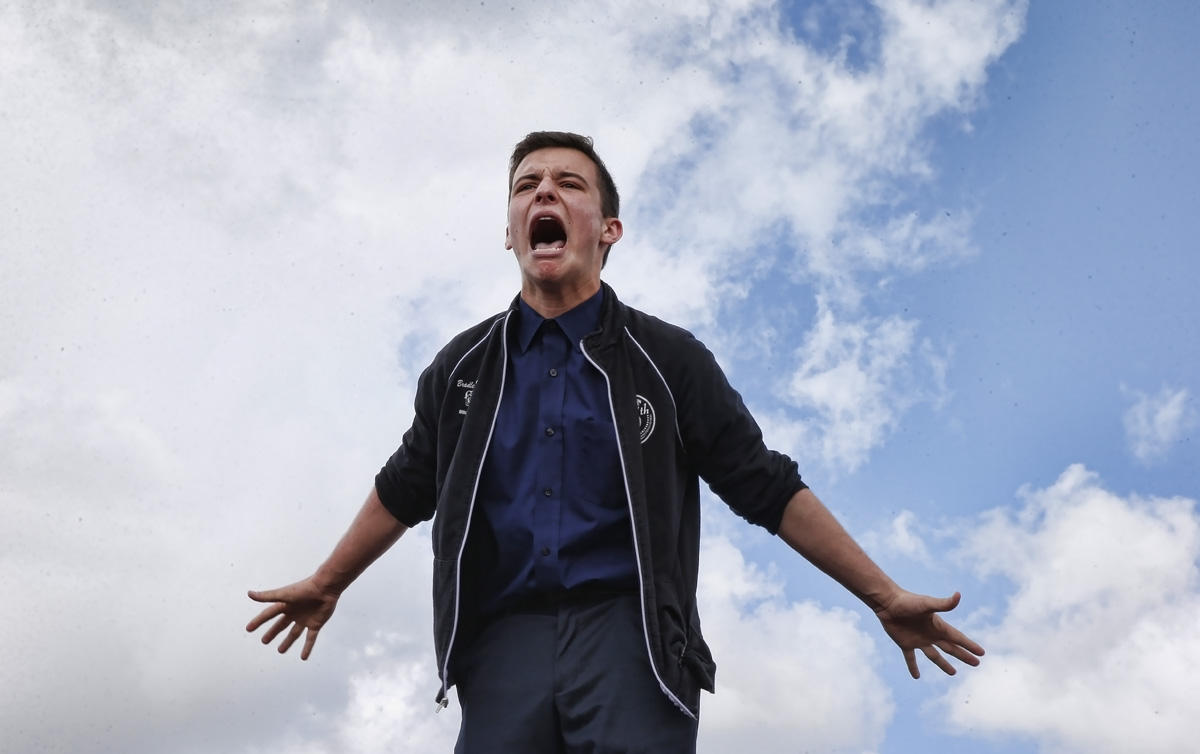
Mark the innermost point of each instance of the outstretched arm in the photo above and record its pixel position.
(910, 619)
(309, 603)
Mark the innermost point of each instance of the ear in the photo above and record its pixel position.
(507, 239)
(613, 230)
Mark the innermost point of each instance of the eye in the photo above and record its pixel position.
(570, 184)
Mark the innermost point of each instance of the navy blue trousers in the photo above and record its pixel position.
(569, 678)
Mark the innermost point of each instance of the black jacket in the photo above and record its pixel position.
(676, 419)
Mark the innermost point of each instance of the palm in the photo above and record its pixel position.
(302, 606)
(913, 622)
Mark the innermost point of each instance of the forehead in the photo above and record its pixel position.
(557, 160)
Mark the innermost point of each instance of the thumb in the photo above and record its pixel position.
(265, 595)
(946, 603)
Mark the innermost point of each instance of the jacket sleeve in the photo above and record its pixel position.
(407, 483)
(725, 445)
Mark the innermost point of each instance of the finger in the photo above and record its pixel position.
(266, 615)
(274, 630)
(958, 652)
(936, 658)
(910, 658)
(955, 636)
(290, 639)
(309, 640)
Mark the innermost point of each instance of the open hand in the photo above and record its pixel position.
(302, 606)
(913, 622)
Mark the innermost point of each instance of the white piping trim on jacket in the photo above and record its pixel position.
(637, 557)
(674, 407)
(471, 508)
(482, 340)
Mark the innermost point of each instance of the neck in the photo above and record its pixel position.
(552, 301)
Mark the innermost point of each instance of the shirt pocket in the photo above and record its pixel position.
(594, 462)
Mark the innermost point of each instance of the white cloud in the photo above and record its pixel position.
(391, 702)
(786, 671)
(1155, 423)
(124, 569)
(790, 145)
(856, 377)
(230, 241)
(902, 537)
(1102, 620)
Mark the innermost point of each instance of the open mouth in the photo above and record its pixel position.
(547, 232)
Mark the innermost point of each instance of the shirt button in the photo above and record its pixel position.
(545, 551)
(549, 431)
(547, 492)
(553, 372)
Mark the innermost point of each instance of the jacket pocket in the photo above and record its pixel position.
(697, 658)
(686, 648)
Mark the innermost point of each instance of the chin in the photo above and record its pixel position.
(556, 262)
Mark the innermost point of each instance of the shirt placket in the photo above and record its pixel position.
(553, 351)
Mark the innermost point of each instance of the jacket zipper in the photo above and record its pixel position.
(637, 553)
(443, 696)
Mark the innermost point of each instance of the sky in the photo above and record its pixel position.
(944, 248)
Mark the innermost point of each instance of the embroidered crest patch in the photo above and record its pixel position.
(646, 419)
(468, 391)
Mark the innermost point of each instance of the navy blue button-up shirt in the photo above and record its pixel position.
(551, 499)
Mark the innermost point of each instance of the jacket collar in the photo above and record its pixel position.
(612, 319)
(593, 319)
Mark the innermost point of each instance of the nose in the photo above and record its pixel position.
(546, 190)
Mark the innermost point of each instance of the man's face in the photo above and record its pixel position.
(555, 226)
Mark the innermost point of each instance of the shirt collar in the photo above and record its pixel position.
(583, 320)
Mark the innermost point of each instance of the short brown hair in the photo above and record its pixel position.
(610, 200)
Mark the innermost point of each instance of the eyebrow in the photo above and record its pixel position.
(558, 176)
